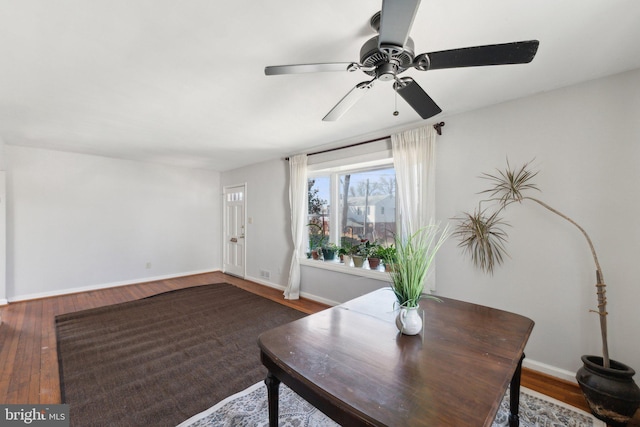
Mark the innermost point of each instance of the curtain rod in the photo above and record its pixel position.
(437, 127)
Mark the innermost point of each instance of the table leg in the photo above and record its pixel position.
(273, 391)
(514, 396)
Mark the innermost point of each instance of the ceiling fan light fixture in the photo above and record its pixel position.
(387, 71)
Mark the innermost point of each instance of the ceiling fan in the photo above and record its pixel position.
(390, 53)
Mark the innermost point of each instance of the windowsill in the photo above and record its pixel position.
(341, 268)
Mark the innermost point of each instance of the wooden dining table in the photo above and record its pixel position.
(351, 362)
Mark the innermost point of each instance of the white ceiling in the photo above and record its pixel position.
(181, 82)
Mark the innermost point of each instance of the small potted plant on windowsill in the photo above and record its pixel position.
(345, 252)
(316, 240)
(388, 255)
(362, 253)
(375, 256)
(329, 251)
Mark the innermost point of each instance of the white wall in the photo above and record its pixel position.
(586, 141)
(332, 287)
(78, 221)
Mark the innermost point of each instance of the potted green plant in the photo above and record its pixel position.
(409, 269)
(606, 384)
(363, 249)
(329, 251)
(316, 240)
(388, 255)
(346, 250)
(375, 256)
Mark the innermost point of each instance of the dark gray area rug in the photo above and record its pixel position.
(162, 359)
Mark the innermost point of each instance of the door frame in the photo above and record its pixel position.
(225, 191)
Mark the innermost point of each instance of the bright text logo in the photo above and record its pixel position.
(34, 415)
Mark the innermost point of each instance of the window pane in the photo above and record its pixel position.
(318, 215)
(367, 206)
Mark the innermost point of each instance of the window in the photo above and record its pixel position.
(352, 203)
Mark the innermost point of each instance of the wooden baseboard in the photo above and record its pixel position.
(557, 388)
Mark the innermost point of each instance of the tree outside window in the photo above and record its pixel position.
(318, 220)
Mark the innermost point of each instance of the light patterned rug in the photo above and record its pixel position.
(249, 409)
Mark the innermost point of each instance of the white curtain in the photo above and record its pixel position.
(298, 204)
(414, 162)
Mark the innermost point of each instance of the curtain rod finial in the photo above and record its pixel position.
(438, 127)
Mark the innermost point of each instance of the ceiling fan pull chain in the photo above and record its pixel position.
(395, 96)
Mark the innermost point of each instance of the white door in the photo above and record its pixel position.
(234, 231)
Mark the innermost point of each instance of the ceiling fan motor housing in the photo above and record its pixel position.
(386, 61)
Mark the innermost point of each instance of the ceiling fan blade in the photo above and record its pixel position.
(417, 97)
(348, 101)
(310, 68)
(495, 54)
(396, 20)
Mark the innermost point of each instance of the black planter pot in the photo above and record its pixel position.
(328, 254)
(611, 393)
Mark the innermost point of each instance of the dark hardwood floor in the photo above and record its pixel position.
(28, 357)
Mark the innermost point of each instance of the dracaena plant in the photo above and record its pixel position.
(482, 235)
